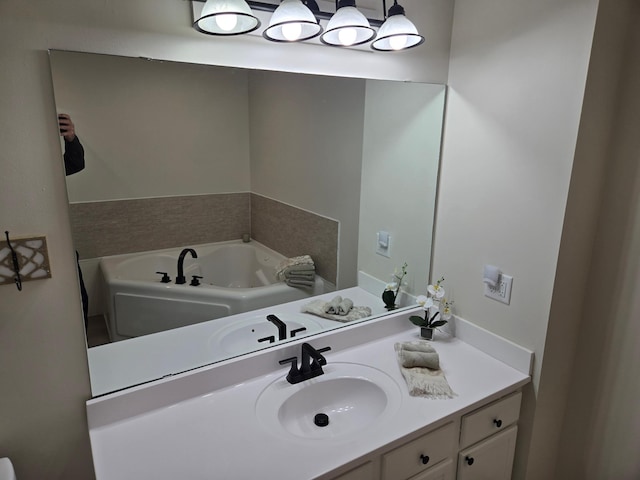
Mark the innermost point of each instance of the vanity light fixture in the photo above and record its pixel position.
(293, 21)
(347, 27)
(299, 20)
(397, 32)
(226, 17)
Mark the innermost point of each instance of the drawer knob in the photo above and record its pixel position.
(498, 423)
(424, 459)
(469, 460)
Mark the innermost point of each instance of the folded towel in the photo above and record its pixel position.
(293, 282)
(345, 306)
(422, 380)
(294, 269)
(303, 276)
(332, 306)
(318, 307)
(302, 262)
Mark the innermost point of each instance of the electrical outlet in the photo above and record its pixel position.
(502, 292)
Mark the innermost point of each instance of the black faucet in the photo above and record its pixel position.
(282, 327)
(180, 278)
(312, 362)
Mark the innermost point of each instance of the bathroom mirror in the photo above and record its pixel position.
(180, 155)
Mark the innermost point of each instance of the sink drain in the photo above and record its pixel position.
(321, 419)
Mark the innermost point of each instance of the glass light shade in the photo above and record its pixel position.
(226, 17)
(347, 27)
(397, 33)
(292, 21)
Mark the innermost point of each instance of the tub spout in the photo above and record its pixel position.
(180, 278)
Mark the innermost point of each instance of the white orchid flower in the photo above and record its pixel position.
(425, 302)
(436, 291)
(391, 286)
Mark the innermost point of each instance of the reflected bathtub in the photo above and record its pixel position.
(237, 277)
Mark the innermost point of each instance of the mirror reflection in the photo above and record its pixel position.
(254, 188)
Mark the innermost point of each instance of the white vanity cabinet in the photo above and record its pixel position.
(204, 422)
(484, 441)
(419, 455)
(488, 440)
(427, 457)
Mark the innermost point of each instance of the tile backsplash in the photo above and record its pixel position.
(125, 226)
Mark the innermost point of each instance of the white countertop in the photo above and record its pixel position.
(216, 435)
(118, 365)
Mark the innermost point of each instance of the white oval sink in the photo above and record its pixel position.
(354, 397)
(242, 336)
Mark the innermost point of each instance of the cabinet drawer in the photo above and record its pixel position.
(442, 471)
(419, 454)
(490, 459)
(488, 420)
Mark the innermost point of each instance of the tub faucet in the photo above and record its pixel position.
(282, 327)
(180, 278)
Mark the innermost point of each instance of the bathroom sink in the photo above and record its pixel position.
(242, 336)
(347, 400)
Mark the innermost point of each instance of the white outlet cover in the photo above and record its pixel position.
(502, 292)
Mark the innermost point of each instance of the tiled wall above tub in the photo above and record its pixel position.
(124, 226)
(292, 231)
(115, 227)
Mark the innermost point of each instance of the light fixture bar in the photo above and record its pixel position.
(270, 7)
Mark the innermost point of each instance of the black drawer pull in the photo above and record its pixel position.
(424, 459)
(498, 423)
(469, 460)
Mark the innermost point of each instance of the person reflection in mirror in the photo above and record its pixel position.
(73, 163)
(73, 150)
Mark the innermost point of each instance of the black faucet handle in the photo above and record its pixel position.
(294, 375)
(195, 281)
(165, 277)
(270, 339)
(321, 360)
(297, 330)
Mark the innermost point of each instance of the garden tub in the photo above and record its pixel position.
(236, 277)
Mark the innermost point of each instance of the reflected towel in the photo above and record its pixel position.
(318, 307)
(332, 306)
(300, 276)
(422, 381)
(345, 306)
(299, 282)
(300, 263)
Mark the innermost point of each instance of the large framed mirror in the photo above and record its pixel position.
(193, 156)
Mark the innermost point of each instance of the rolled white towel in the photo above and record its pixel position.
(418, 354)
(333, 306)
(345, 306)
(418, 346)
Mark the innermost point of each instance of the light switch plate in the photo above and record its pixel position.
(383, 244)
